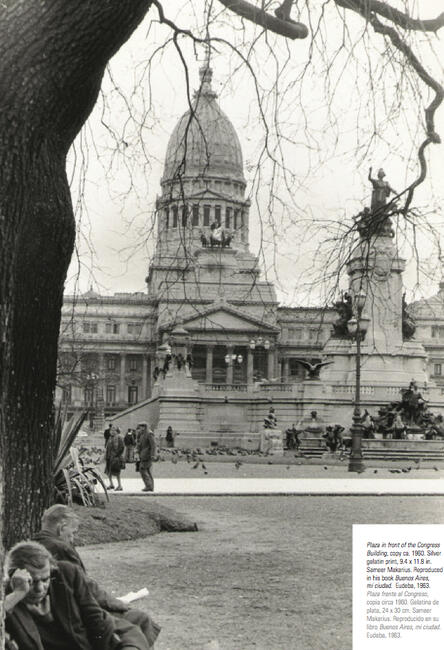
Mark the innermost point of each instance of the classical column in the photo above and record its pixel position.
(209, 368)
(229, 377)
(122, 396)
(250, 366)
(101, 373)
(286, 365)
(144, 375)
(270, 364)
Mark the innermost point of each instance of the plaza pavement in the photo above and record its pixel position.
(340, 482)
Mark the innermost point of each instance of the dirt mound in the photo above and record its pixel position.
(128, 518)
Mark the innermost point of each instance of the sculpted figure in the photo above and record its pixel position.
(381, 190)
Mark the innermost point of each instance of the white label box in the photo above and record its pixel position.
(398, 587)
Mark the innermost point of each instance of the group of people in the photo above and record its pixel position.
(137, 446)
(51, 603)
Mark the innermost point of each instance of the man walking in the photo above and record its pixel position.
(146, 447)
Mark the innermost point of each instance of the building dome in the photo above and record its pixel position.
(204, 142)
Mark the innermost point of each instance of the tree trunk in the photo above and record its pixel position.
(52, 58)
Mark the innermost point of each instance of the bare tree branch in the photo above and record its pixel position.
(367, 7)
(257, 15)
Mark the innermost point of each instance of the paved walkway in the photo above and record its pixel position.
(268, 486)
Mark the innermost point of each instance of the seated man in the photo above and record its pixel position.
(49, 605)
(59, 525)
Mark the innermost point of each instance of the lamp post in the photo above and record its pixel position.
(92, 379)
(357, 328)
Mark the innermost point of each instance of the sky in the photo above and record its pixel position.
(328, 107)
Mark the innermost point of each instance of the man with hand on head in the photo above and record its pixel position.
(49, 606)
(59, 526)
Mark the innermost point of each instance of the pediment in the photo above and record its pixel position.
(224, 319)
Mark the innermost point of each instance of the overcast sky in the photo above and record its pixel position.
(338, 110)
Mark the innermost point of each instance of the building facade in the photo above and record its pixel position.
(204, 283)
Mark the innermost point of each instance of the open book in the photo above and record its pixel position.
(134, 595)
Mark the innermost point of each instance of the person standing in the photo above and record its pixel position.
(170, 437)
(130, 444)
(107, 433)
(114, 462)
(146, 448)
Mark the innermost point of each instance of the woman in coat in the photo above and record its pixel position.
(114, 462)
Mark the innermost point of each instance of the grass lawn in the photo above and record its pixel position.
(269, 573)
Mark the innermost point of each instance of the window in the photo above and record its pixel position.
(175, 216)
(295, 333)
(90, 328)
(67, 394)
(111, 363)
(133, 394)
(135, 328)
(437, 369)
(314, 335)
(227, 217)
(184, 216)
(133, 363)
(195, 221)
(110, 395)
(112, 328)
(236, 216)
(206, 220)
(88, 395)
(167, 218)
(217, 213)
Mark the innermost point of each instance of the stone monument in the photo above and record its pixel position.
(390, 357)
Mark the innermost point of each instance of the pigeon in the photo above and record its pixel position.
(375, 471)
(237, 464)
(196, 465)
(203, 466)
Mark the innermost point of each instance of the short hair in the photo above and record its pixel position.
(58, 514)
(28, 554)
(143, 424)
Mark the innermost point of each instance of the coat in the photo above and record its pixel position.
(63, 552)
(88, 625)
(146, 447)
(114, 455)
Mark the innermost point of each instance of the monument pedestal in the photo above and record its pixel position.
(271, 442)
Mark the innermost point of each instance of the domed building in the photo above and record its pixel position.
(208, 347)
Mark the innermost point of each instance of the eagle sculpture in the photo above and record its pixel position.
(313, 368)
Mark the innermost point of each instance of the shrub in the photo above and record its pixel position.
(75, 474)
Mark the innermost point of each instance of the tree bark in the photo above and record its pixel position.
(52, 58)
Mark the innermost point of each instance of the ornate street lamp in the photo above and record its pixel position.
(357, 328)
(260, 343)
(92, 379)
(233, 358)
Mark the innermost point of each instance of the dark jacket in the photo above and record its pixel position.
(133, 619)
(88, 625)
(64, 552)
(146, 447)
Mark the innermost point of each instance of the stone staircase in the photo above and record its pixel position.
(396, 450)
